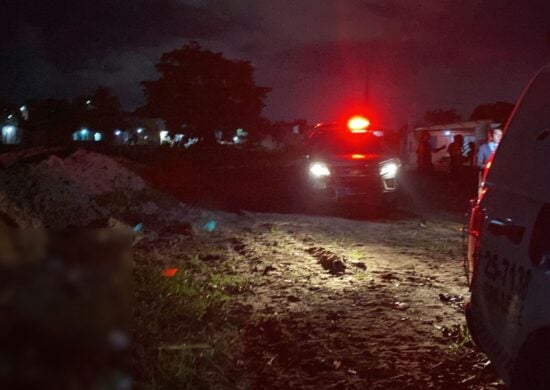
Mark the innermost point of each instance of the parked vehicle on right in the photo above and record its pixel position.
(509, 246)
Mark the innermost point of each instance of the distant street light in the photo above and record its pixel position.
(24, 112)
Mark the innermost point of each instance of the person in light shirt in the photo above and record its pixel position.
(487, 149)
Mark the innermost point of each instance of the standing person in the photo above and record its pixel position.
(470, 169)
(424, 164)
(424, 153)
(471, 155)
(485, 152)
(487, 149)
(456, 153)
(456, 164)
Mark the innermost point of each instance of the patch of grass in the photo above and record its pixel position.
(231, 284)
(461, 336)
(355, 254)
(275, 230)
(182, 333)
(363, 276)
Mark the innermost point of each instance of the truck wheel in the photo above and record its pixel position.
(387, 208)
(531, 370)
(305, 201)
(469, 322)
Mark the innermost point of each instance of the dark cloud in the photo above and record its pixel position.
(388, 9)
(315, 54)
(69, 33)
(50, 48)
(433, 54)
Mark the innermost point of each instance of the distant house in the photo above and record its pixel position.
(144, 130)
(473, 131)
(11, 131)
(87, 135)
(11, 134)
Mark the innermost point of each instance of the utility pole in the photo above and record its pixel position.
(367, 85)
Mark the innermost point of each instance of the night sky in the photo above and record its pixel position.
(317, 55)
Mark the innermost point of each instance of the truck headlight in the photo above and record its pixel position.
(318, 170)
(388, 169)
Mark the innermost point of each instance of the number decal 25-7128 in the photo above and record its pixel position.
(506, 285)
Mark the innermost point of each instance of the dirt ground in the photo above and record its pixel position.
(347, 303)
(342, 301)
(274, 298)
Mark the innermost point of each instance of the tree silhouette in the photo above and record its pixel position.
(497, 112)
(55, 117)
(59, 119)
(100, 111)
(7, 108)
(200, 91)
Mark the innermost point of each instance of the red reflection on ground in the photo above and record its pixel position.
(169, 272)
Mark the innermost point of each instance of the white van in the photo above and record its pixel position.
(509, 246)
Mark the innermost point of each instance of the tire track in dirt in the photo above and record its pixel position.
(317, 326)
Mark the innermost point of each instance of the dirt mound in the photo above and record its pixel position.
(98, 174)
(55, 189)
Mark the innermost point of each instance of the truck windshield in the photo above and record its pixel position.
(346, 142)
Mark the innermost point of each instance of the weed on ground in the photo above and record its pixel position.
(183, 328)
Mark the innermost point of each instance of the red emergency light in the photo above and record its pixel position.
(358, 124)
